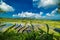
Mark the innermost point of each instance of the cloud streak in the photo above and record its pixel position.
(45, 3)
(5, 7)
(52, 13)
(28, 15)
(35, 15)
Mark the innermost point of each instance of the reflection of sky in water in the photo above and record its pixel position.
(28, 27)
(6, 26)
(16, 26)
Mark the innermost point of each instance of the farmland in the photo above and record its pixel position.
(29, 29)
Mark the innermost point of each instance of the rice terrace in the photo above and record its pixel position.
(29, 19)
(31, 29)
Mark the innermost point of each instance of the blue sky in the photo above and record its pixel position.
(31, 8)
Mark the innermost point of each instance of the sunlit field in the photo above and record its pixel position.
(29, 29)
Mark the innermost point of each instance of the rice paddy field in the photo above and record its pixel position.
(29, 29)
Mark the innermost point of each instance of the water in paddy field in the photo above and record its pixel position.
(6, 26)
(18, 26)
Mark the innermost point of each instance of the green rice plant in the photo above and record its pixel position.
(2, 25)
(44, 35)
(25, 29)
(57, 37)
(41, 31)
(17, 27)
(9, 36)
(33, 35)
(9, 28)
(25, 36)
(47, 28)
(20, 28)
(29, 36)
(32, 26)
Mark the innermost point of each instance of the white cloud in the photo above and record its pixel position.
(48, 14)
(35, 15)
(41, 13)
(29, 15)
(35, 0)
(6, 8)
(45, 3)
(52, 13)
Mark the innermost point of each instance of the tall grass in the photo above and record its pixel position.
(25, 36)
(47, 28)
(18, 26)
(9, 28)
(1, 25)
(33, 35)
